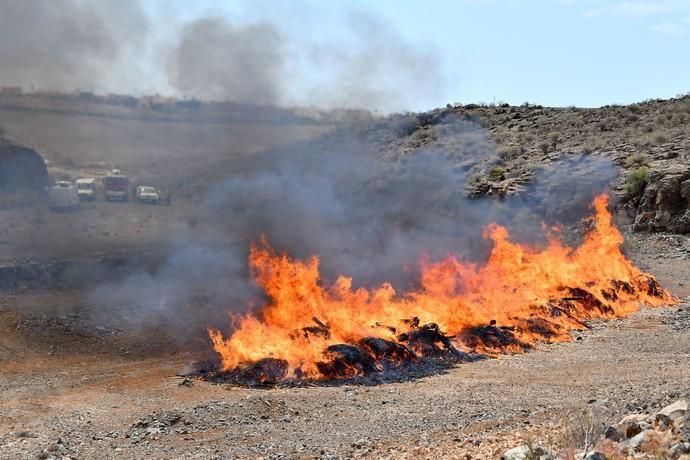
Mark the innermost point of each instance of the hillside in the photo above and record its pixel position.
(504, 148)
(549, 156)
(78, 136)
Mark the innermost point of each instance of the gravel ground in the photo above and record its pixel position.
(89, 399)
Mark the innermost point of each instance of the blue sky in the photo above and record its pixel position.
(552, 52)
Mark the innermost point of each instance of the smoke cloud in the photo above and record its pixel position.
(67, 44)
(371, 66)
(366, 217)
(220, 61)
(360, 61)
(378, 68)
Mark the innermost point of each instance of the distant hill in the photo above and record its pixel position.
(160, 141)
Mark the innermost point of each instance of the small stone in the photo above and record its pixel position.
(612, 434)
(186, 382)
(524, 452)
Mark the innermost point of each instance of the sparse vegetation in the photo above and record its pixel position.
(637, 180)
(635, 160)
(554, 140)
(660, 139)
(497, 173)
(509, 152)
(580, 430)
(544, 146)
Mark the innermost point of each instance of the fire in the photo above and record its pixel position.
(521, 295)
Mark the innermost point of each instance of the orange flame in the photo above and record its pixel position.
(513, 288)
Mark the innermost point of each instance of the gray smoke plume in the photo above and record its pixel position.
(66, 44)
(378, 69)
(102, 47)
(221, 61)
(374, 68)
(366, 217)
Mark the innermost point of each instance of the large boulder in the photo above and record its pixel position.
(665, 203)
(21, 167)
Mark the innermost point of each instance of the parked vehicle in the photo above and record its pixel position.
(116, 186)
(147, 194)
(86, 188)
(63, 196)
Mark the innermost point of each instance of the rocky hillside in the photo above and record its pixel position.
(648, 141)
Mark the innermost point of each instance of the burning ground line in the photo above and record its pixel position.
(520, 297)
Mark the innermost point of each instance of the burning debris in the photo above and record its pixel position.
(520, 297)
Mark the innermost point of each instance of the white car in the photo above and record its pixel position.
(86, 189)
(146, 194)
(63, 196)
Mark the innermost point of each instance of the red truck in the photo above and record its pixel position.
(116, 186)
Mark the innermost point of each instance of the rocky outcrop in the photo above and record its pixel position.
(21, 167)
(665, 202)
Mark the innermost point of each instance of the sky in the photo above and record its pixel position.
(383, 55)
(551, 52)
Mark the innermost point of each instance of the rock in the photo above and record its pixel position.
(595, 456)
(665, 201)
(630, 426)
(685, 190)
(636, 441)
(186, 382)
(648, 201)
(672, 412)
(524, 452)
(643, 221)
(612, 434)
(681, 224)
(679, 449)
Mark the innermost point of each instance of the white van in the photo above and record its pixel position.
(86, 189)
(63, 196)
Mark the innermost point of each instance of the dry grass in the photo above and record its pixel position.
(579, 431)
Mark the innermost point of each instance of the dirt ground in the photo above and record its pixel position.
(77, 384)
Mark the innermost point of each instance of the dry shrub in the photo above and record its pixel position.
(656, 444)
(508, 152)
(610, 450)
(660, 139)
(635, 160)
(569, 454)
(544, 146)
(554, 140)
(580, 430)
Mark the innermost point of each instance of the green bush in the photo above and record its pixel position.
(636, 182)
(497, 173)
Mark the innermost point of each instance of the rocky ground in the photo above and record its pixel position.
(78, 385)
